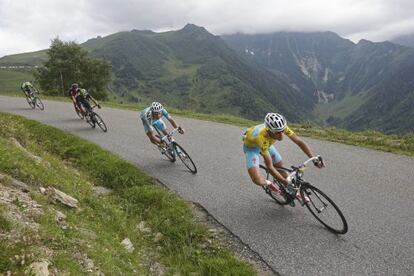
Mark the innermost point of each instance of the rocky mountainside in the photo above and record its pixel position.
(359, 86)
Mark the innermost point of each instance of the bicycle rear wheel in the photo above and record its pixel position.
(324, 209)
(280, 198)
(30, 102)
(100, 122)
(185, 158)
(39, 103)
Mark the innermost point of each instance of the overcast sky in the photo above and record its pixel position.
(29, 25)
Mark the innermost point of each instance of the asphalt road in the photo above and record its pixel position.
(374, 190)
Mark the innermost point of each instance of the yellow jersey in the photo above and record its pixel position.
(258, 137)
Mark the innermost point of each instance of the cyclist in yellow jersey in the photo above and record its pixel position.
(259, 140)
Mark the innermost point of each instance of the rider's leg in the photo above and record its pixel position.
(85, 105)
(78, 103)
(256, 177)
(277, 160)
(160, 125)
(149, 131)
(155, 140)
(26, 92)
(252, 163)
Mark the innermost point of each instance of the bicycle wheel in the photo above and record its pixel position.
(185, 158)
(280, 198)
(39, 103)
(80, 114)
(90, 119)
(30, 102)
(324, 209)
(100, 122)
(169, 153)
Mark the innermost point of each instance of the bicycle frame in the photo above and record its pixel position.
(167, 138)
(297, 172)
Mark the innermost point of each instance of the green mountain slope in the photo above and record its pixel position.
(11, 79)
(193, 69)
(31, 59)
(358, 85)
(306, 76)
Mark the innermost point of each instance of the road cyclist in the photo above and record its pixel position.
(258, 141)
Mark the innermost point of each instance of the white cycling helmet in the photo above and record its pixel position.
(275, 122)
(156, 107)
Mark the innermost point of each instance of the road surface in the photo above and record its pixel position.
(374, 190)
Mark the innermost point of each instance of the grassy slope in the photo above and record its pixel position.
(77, 165)
(31, 58)
(338, 109)
(11, 79)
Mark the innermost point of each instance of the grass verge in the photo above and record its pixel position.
(170, 241)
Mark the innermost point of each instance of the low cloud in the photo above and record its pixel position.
(28, 25)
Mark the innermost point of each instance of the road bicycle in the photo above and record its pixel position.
(317, 202)
(93, 119)
(33, 99)
(171, 149)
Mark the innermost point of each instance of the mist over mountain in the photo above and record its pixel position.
(358, 86)
(404, 40)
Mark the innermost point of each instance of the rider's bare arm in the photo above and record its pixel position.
(94, 100)
(269, 164)
(153, 138)
(173, 122)
(304, 147)
(175, 125)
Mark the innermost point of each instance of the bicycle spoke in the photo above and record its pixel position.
(185, 158)
(39, 103)
(30, 101)
(324, 209)
(280, 197)
(100, 123)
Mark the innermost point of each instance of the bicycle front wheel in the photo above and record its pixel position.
(324, 209)
(30, 102)
(280, 198)
(100, 122)
(39, 103)
(185, 158)
(169, 153)
(90, 119)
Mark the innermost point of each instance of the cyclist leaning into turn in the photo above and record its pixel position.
(260, 139)
(152, 117)
(28, 88)
(80, 98)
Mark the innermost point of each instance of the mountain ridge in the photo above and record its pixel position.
(317, 76)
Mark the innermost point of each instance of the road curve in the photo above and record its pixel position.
(374, 190)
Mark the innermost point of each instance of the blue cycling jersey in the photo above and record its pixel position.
(149, 122)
